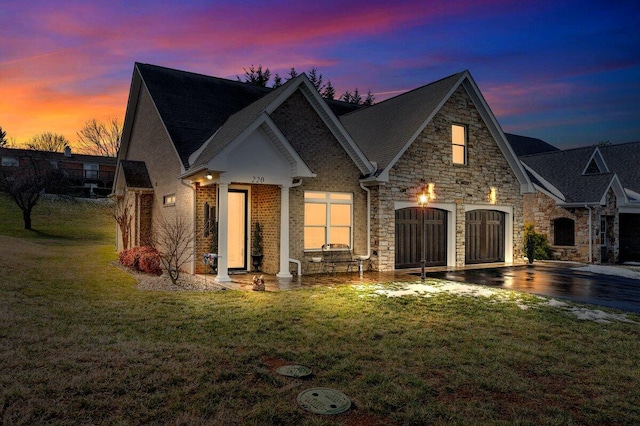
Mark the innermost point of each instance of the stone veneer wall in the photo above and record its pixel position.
(334, 169)
(430, 158)
(542, 211)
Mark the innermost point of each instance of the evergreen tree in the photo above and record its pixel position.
(292, 74)
(329, 92)
(369, 99)
(277, 81)
(256, 76)
(316, 79)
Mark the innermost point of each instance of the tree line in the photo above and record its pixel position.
(260, 77)
(95, 138)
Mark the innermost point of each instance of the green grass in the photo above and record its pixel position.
(80, 345)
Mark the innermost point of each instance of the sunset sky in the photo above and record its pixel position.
(564, 71)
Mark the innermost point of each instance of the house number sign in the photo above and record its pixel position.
(257, 179)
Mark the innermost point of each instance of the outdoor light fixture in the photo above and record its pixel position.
(493, 195)
(209, 176)
(423, 200)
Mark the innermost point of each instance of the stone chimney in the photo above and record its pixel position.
(67, 151)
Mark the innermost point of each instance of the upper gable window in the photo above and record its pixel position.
(459, 144)
(592, 168)
(10, 162)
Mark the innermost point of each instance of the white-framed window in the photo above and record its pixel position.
(169, 200)
(91, 170)
(10, 162)
(459, 144)
(328, 219)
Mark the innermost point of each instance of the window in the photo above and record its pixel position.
(10, 162)
(169, 200)
(459, 144)
(91, 170)
(563, 232)
(327, 219)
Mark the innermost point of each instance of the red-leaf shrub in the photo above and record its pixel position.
(149, 261)
(144, 259)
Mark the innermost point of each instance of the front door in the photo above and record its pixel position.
(237, 230)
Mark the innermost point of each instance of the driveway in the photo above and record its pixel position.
(556, 281)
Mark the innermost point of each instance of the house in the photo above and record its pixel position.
(89, 175)
(226, 155)
(587, 201)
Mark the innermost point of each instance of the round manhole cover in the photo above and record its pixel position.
(294, 371)
(324, 401)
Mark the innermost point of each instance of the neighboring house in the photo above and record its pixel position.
(225, 155)
(89, 175)
(587, 201)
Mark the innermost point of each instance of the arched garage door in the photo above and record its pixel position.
(629, 237)
(409, 234)
(484, 241)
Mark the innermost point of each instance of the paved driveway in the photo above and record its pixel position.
(556, 281)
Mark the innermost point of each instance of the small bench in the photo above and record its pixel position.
(334, 255)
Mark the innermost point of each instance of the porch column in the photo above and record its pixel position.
(284, 233)
(223, 233)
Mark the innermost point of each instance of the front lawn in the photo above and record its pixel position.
(79, 344)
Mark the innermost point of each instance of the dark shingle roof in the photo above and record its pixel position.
(194, 106)
(624, 160)
(135, 174)
(59, 156)
(563, 170)
(382, 130)
(524, 145)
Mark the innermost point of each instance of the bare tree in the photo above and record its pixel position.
(48, 141)
(122, 215)
(100, 138)
(173, 239)
(26, 183)
(3, 137)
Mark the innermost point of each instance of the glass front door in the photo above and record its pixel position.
(237, 231)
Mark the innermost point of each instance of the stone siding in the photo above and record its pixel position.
(430, 158)
(542, 211)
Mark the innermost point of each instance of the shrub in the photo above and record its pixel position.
(143, 259)
(536, 245)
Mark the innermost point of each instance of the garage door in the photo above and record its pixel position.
(484, 236)
(629, 237)
(409, 237)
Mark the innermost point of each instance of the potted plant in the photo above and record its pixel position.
(256, 248)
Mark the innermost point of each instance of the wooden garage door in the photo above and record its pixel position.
(409, 234)
(484, 236)
(629, 237)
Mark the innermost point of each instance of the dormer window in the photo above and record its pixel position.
(596, 164)
(592, 168)
(459, 144)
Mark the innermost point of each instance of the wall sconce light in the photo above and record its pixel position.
(209, 176)
(493, 195)
(432, 191)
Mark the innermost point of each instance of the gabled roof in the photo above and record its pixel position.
(624, 160)
(524, 145)
(563, 172)
(258, 113)
(136, 174)
(193, 106)
(386, 130)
